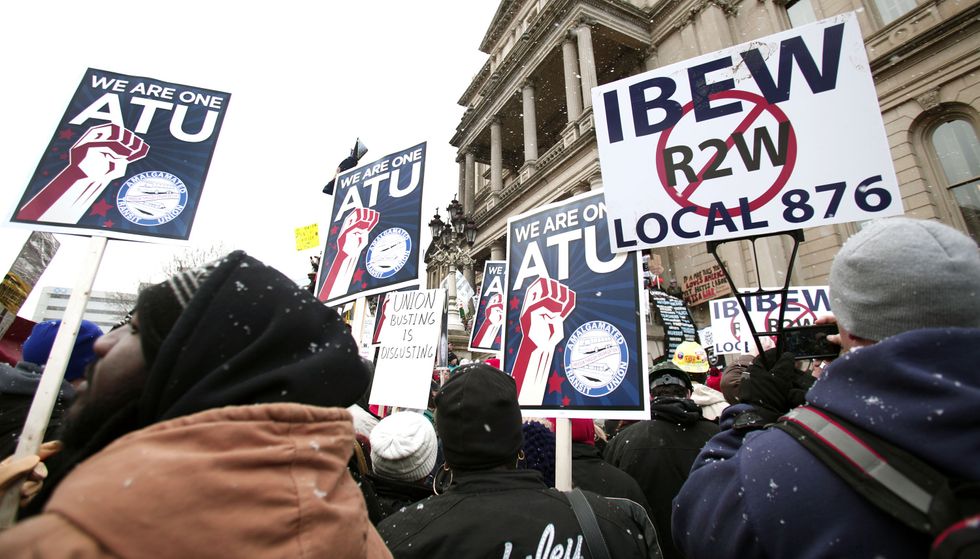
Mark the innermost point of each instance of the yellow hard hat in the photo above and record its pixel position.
(690, 357)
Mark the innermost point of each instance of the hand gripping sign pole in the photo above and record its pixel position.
(741, 296)
(54, 372)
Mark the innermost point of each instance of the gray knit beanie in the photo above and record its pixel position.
(903, 274)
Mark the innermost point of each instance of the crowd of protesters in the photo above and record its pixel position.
(228, 417)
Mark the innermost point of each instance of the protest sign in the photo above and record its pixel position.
(128, 159)
(574, 336)
(489, 318)
(678, 324)
(780, 133)
(307, 237)
(705, 285)
(409, 342)
(731, 333)
(375, 228)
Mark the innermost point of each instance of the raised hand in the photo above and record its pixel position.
(99, 157)
(547, 303)
(351, 240)
(354, 232)
(493, 320)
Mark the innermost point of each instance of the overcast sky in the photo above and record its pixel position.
(305, 79)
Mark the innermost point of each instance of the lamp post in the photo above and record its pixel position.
(452, 240)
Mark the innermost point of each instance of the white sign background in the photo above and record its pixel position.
(409, 345)
(840, 142)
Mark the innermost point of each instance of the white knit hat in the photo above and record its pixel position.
(403, 447)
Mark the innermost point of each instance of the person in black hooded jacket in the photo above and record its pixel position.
(234, 332)
(492, 509)
(659, 453)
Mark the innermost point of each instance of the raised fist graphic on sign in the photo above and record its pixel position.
(492, 321)
(351, 240)
(99, 157)
(547, 303)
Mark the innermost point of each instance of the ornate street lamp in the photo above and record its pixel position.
(452, 239)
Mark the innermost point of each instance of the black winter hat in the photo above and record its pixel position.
(668, 373)
(244, 334)
(478, 419)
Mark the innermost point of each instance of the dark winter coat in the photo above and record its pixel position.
(769, 497)
(591, 473)
(512, 514)
(659, 454)
(393, 495)
(17, 387)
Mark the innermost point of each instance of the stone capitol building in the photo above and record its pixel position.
(527, 136)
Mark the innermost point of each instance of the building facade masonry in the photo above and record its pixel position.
(104, 308)
(527, 136)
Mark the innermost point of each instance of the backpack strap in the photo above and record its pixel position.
(590, 526)
(895, 481)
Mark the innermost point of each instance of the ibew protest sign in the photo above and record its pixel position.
(488, 320)
(780, 133)
(375, 228)
(409, 342)
(128, 160)
(574, 334)
(730, 332)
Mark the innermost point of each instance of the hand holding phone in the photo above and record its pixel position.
(811, 342)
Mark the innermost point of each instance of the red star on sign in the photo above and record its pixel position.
(565, 401)
(100, 208)
(108, 223)
(554, 383)
(358, 274)
(66, 134)
(333, 230)
(513, 303)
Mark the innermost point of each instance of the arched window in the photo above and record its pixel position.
(957, 150)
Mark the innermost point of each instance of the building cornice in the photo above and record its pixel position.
(544, 34)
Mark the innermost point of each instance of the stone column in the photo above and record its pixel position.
(573, 92)
(469, 181)
(580, 188)
(651, 60)
(470, 276)
(530, 124)
(461, 187)
(498, 249)
(595, 182)
(586, 61)
(496, 158)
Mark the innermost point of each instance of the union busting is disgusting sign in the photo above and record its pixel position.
(574, 332)
(780, 133)
(128, 160)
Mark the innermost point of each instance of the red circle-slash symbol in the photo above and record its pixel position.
(683, 198)
(796, 318)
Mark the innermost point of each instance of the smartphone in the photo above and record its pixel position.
(810, 342)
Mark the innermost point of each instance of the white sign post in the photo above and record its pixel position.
(409, 342)
(781, 133)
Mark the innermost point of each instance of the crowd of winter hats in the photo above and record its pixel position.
(37, 347)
